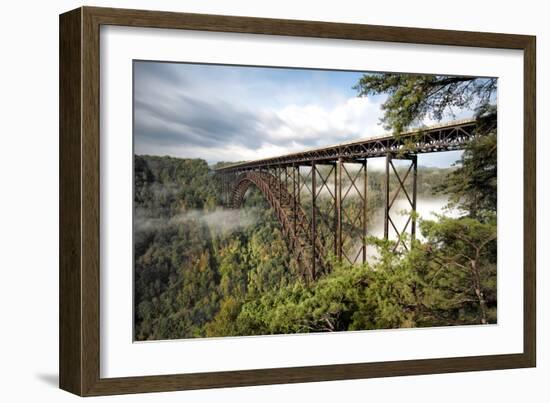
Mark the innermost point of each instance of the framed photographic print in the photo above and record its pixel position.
(249, 201)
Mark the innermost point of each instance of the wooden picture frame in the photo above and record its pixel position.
(79, 347)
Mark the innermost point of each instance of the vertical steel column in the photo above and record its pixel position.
(294, 197)
(387, 198)
(298, 188)
(286, 179)
(335, 229)
(313, 217)
(279, 180)
(415, 175)
(365, 210)
(338, 205)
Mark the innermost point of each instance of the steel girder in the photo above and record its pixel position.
(451, 136)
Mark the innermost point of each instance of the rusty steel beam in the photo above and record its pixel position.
(294, 197)
(354, 216)
(286, 177)
(401, 187)
(415, 178)
(339, 209)
(299, 241)
(313, 217)
(387, 197)
(365, 207)
(451, 136)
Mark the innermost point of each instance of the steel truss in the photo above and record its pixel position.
(390, 199)
(451, 136)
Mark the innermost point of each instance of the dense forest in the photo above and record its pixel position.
(202, 270)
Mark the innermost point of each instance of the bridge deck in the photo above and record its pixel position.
(446, 137)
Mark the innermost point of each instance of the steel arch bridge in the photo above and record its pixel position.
(294, 185)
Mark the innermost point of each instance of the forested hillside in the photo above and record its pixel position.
(202, 270)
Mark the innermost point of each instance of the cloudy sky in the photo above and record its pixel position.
(234, 113)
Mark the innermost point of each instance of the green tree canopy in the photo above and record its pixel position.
(412, 97)
(472, 187)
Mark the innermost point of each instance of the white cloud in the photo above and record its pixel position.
(232, 114)
(302, 126)
(237, 114)
(352, 118)
(289, 129)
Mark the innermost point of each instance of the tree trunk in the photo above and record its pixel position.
(479, 293)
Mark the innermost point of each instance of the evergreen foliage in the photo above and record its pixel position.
(198, 276)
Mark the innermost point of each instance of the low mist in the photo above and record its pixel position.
(219, 221)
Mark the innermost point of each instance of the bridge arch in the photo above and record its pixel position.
(294, 223)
